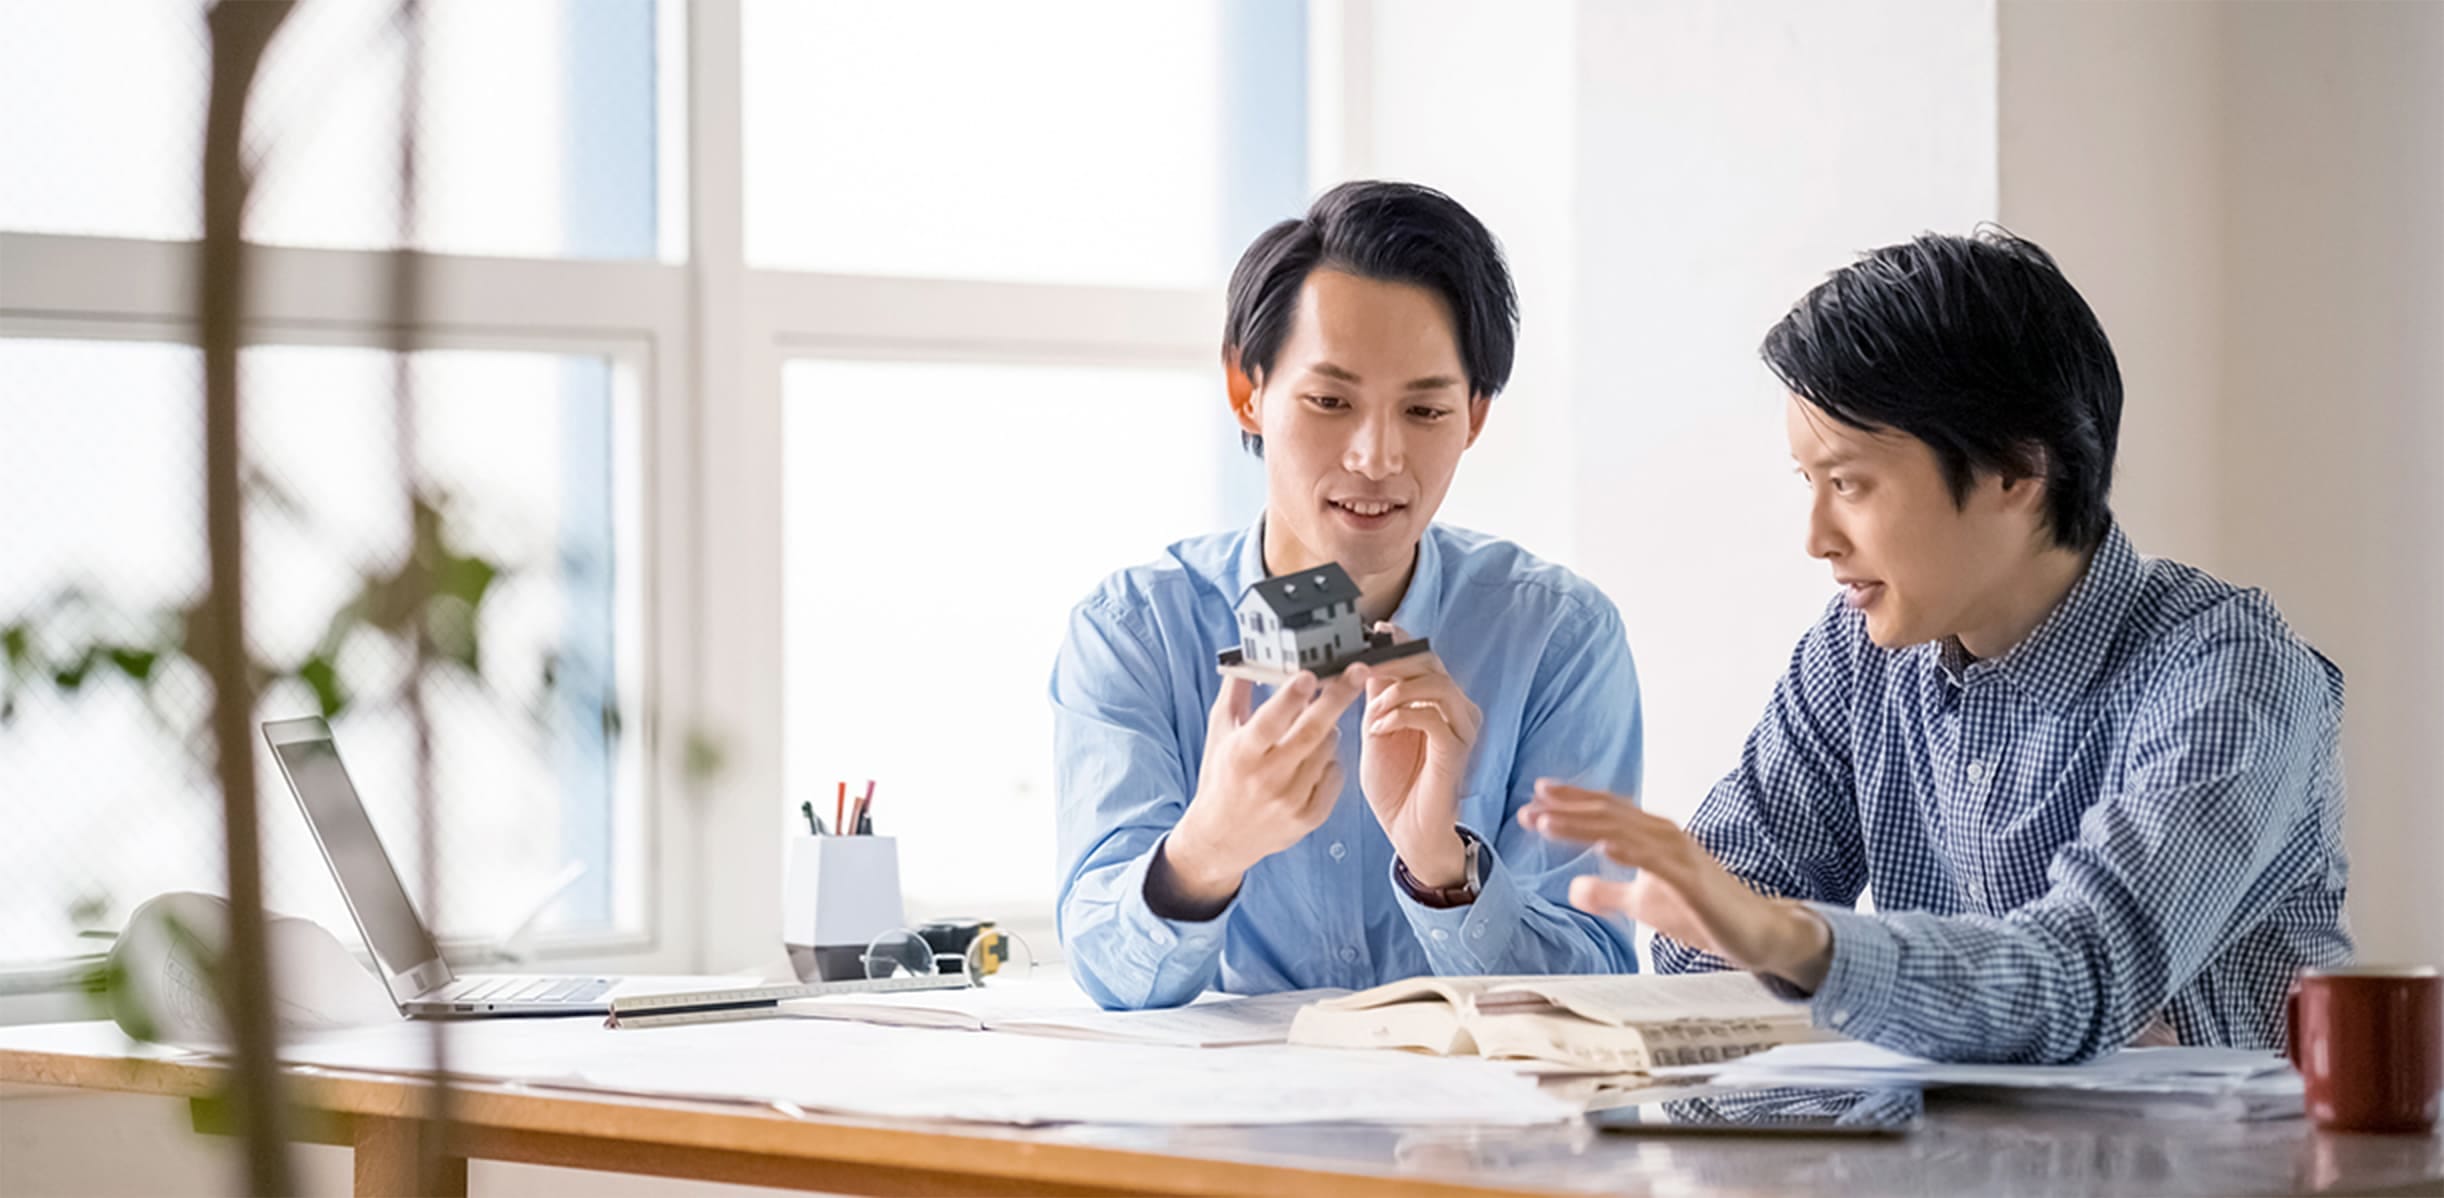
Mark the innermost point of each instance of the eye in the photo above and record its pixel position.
(1428, 413)
(1327, 402)
(1840, 485)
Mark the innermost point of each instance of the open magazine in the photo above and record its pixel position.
(1614, 1023)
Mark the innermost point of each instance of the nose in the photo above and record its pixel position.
(1375, 450)
(1824, 539)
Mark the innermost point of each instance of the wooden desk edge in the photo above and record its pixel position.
(714, 1141)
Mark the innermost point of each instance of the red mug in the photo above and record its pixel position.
(2369, 1043)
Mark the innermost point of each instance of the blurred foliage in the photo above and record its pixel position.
(436, 592)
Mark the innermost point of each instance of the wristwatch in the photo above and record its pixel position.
(1443, 896)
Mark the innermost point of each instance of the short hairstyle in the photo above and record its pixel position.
(1393, 232)
(1977, 346)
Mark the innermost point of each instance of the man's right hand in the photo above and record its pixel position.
(1268, 779)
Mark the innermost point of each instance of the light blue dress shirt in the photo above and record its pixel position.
(2135, 814)
(1538, 649)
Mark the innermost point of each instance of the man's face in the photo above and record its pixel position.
(1920, 566)
(1364, 416)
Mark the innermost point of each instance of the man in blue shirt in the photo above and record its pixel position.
(1209, 840)
(2097, 797)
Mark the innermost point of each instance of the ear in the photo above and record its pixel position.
(2024, 491)
(1242, 390)
(1478, 406)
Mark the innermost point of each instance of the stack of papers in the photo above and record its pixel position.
(2197, 1083)
(1053, 1005)
(834, 1065)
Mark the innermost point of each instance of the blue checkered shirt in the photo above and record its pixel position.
(2133, 815)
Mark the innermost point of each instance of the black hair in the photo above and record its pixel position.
(1977, 346)
(1393, 232)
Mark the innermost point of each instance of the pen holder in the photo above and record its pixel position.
(839, 893)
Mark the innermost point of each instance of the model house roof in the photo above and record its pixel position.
(1295, 599)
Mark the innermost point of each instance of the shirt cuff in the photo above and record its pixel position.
(1860, 984)
(1158, 950)
(1469, 939)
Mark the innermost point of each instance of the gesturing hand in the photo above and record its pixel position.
(1681, 891)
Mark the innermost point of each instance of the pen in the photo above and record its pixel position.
(814, 822)
(865, 811)
(840, 809)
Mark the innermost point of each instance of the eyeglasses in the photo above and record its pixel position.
(972, 948)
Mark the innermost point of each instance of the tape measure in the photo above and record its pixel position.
(983, 947)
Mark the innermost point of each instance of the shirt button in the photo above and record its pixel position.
(1162, 936)
(1977, 890)
(1841, 1018)
(1977, 771)
(1348, 954)
(1338, 850)
(1440, 934)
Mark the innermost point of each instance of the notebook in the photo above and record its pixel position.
(1626, 1023)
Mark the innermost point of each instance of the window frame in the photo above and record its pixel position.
(707, 339)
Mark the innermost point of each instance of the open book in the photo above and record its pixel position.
(1613, 1023)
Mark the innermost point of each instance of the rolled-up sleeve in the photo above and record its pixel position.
(1121, 784)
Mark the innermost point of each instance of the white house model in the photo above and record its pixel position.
(1302, 621)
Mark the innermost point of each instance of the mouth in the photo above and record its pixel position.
(1366, 514)
(1860, 594)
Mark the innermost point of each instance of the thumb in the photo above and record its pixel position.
(1601, 896)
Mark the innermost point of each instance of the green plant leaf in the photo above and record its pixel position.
(321, 674)
(135, 663)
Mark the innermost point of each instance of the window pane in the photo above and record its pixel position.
(107, 793)
(941, 521)
(1075, 142)
(536, 135)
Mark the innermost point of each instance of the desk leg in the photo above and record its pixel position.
(390, 1154)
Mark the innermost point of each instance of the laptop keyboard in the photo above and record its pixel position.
(513, 989)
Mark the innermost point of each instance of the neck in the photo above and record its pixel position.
(1379, 594)
(2026, 599)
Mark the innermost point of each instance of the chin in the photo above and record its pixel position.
(1892, 634)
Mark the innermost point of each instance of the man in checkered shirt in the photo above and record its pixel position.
(2097, 797)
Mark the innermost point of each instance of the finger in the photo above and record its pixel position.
(1563, 792)
(1325, 792)
(1637, 836)
(1231, 706)
(1401, 691)
(1299, 786)
(1323, 714)
(1416, 717)
(1438, 690)
(1282, 709)
(1602, 896)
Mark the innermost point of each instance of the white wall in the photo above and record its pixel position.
(1667, 179)
(2250, 196)
(2333, 421)
(1730, 156)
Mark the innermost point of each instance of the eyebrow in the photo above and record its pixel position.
(1432, 382)
(1827, 461)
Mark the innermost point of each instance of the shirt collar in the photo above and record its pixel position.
(1421, 607)
(2055, 663)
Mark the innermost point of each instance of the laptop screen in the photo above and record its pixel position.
(308, 757)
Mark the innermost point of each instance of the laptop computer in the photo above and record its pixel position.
(404, 951)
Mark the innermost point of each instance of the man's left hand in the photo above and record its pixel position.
(1681, 891)
(1420, 730)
